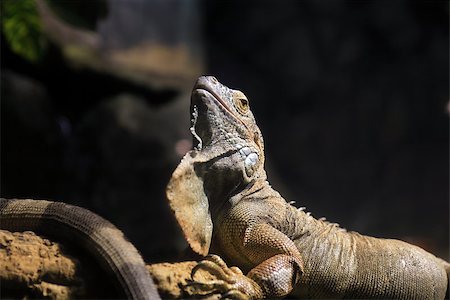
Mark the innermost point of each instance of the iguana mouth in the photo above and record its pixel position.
(222, 104)
(201, 91)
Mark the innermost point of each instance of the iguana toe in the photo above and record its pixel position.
(230, 282)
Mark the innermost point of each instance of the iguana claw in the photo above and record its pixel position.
(217, 267)
(231, 283)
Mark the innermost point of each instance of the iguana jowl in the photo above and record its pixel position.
(222, 200)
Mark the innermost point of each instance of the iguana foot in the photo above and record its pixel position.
(231, 283)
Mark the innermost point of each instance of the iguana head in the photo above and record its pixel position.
(222, 122)
(228, 155)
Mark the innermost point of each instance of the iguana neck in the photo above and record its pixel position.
(294, 222)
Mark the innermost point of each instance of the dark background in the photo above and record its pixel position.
(351, 97)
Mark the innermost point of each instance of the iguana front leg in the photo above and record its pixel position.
(278, 266)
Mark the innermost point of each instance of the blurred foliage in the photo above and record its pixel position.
(22, 28)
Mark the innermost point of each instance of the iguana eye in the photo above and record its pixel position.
(242, 105)
(240, 102)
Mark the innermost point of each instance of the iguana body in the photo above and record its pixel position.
(222, 200)
(93, 233)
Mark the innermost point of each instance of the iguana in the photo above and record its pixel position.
(89, 231)
(224, 204)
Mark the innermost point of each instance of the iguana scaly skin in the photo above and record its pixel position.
(89, 231)
(222, 200)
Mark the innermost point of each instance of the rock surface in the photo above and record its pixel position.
(172, 278)
(33, 266)
(36, 267)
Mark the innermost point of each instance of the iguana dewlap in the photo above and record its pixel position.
(223, 203)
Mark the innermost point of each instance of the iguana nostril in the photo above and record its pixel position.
(214, 80)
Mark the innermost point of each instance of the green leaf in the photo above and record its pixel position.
(22, 28)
